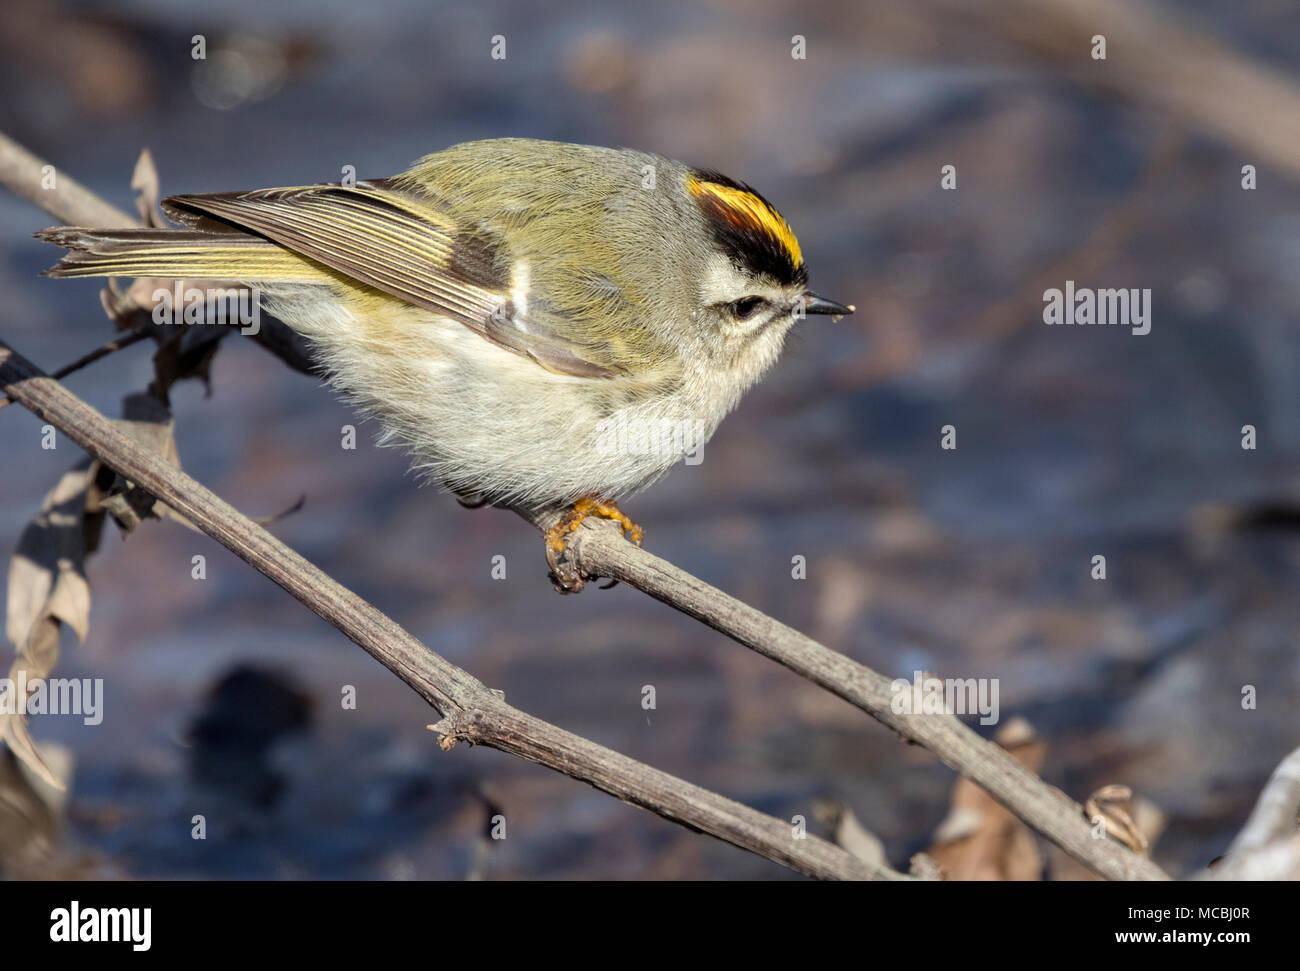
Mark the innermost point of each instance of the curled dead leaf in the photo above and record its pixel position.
(47, 588)
(1113, 805)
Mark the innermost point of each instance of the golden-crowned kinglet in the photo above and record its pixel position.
(541, 324)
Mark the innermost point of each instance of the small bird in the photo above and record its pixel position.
(540, 324)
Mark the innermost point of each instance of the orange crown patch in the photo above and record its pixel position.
(749, 226)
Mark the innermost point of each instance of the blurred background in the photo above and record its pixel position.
(223, 694)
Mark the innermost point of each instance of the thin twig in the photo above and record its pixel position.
(470, 711)
(103, 351)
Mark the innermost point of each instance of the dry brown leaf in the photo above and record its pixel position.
(145, 182)
(47, 588)
(979, 839)
(1113, 805)
(1145, 815)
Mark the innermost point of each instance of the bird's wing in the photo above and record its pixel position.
(390, 239)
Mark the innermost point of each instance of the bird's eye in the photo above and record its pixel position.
(745, 307)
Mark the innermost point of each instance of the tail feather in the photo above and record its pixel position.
(177, 253)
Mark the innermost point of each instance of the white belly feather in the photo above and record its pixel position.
(484, 420)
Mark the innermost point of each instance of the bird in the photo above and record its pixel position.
(540, 325)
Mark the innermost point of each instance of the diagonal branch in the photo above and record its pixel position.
(599, 549)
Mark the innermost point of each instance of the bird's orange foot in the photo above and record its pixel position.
(567, 579)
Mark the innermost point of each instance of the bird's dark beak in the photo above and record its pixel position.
(813, 304)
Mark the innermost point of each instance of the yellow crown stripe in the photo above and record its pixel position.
(745, 208)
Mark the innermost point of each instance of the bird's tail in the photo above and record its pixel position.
(193, 254)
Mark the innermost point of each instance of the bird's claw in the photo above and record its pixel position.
(564, 572)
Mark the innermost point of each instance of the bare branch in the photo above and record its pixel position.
(598, 549)
(58, 194)
(116, 344)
